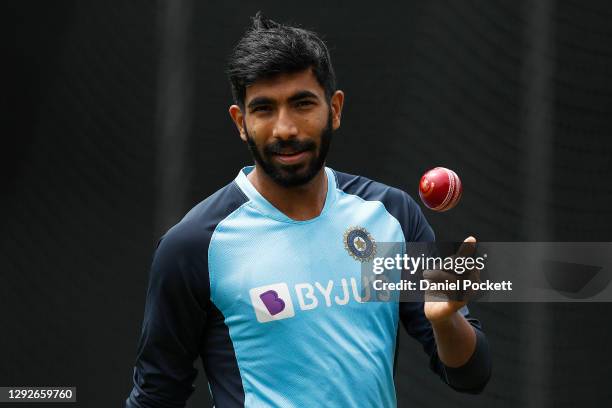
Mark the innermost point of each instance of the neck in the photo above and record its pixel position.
(299, 203)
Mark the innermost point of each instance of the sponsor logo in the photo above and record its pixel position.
(272, 302)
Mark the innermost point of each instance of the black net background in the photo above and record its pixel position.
(427, 83)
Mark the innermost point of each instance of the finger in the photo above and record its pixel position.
(437, 275)
(468, 247)
(446, 293)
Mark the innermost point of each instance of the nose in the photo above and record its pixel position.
(285, 127)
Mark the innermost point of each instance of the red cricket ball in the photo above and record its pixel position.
(440, 189)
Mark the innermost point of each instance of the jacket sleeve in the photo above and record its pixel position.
(174, 321)
(473, 376)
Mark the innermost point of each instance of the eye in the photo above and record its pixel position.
(303, 104)
(261, 108)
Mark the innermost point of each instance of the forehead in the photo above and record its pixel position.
(283, 86)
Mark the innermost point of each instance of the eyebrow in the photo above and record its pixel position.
(260, 100)
(264, 100)
(302, 95)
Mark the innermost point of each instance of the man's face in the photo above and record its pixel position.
(288, 124)
(292, 162)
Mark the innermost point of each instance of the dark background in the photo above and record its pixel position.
(116, 124)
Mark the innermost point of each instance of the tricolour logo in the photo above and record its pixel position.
(359, 244)
(272, 302)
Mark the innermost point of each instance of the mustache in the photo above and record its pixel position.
(293, 145)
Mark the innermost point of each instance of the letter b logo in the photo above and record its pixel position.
(272, 302)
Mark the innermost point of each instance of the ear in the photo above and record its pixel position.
(238, 119)
(337, 102)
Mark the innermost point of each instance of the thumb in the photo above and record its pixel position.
(468, 247)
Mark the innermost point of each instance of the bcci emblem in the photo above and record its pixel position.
(359, 244)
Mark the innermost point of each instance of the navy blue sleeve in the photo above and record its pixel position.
(180, 321)
(174, 321)
(473, 376)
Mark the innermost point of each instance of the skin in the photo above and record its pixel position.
(289, 106)
(294, 106)
(455, 336)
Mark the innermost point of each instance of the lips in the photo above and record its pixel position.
(289, 152)
(291, 157)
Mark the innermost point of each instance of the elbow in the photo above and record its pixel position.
(475, 388)
(473, 376)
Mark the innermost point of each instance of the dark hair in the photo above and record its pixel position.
(268, 49)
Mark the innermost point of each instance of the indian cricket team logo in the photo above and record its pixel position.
(359, 244)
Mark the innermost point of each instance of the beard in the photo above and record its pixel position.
(293, 175)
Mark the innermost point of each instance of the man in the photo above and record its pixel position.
(260, 278)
